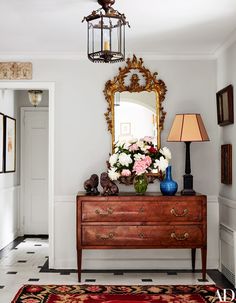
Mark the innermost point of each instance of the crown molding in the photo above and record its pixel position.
(83, 56)
(172, 56)
(226, 44)
(43, 56)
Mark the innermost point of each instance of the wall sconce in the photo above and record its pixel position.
(35, 97)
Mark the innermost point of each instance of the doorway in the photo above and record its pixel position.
(34, 170)
(50, 86)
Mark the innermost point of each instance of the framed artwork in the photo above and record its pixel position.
(225, 106)
(226, 164)
(125, 129)
(1, 141)
(9, 144)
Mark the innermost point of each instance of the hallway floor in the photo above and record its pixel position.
(26, 263)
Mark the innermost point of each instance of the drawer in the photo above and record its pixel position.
(144, 211)
(155, 236)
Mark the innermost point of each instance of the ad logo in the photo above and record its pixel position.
(225, 295)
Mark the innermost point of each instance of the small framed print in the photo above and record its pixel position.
(1, 141)
(225, 106)
(9, 144)
(125, 129)
(226, 164)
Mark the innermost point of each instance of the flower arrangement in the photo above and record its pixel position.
(138, 157)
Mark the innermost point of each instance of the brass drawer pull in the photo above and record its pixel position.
(175, 213)
(141, 235)
(109, 211)
(110, 236)
(180, 237)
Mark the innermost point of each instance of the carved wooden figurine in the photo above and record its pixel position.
(91, 185)
(109, 187)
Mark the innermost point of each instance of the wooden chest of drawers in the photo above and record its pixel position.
(149, 221)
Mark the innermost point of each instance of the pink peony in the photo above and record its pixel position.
(126, 173)
(148, 160)
(133, 147)
(140, 166)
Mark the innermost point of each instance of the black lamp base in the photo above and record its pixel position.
(188, 192)
(188, 186)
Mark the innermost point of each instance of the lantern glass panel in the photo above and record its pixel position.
(94, 36)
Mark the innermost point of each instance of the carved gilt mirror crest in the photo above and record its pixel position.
(135, 98)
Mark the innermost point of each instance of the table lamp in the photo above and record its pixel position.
(188, 128)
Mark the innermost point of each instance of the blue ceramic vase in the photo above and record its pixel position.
(168, 186)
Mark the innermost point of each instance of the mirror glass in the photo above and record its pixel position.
(135, 115)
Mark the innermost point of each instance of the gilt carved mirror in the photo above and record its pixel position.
(134, 100)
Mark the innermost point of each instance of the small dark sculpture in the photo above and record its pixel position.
(91, 185)
(109, 187)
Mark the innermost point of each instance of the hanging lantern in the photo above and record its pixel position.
(106, 34)
(35, 97)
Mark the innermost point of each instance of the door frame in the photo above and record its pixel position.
(24, 110)
(50, 86)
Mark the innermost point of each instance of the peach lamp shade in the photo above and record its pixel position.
(188, 128)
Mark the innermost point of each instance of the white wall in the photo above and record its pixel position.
(9, 190)
(82, 142)
(226, 74)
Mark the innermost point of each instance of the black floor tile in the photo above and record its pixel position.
(33, 280)
(146, 280)
(30, 252)
(219, 279)
(5, 251)
(90, 280)
(2, 286)
(11, 272)
(22, 261)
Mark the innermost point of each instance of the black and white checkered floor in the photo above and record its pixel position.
(26, 263)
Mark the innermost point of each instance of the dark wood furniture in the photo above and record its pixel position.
(149, 221)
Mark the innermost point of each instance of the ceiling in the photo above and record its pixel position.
(181, 27)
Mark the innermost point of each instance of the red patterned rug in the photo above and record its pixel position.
(117, 294)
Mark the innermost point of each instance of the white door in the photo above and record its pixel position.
(35, 171)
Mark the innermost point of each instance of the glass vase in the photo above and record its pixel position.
(140, 184)
(168, 186)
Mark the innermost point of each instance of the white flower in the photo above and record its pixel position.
(140, 144)
(127, 145)
(138, 157)
(113, 159)
(161, 164)
(113, 174)
(125, 159)
(154, 171)
(145, 148)
(166, 152)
